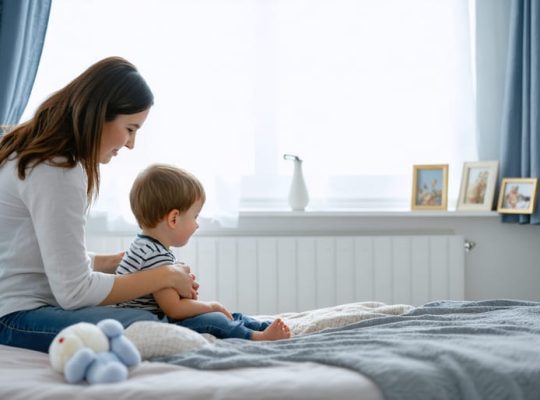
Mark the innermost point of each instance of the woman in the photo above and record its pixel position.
(49, 175)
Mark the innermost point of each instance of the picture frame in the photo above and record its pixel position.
(478, 183)
(517, 196)
(430, 187)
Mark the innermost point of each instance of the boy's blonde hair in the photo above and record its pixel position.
(161, 188)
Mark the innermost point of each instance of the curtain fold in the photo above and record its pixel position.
(520, 134)
(23, 24)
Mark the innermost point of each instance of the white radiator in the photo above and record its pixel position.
(267, 275)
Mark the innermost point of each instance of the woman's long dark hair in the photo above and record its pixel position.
(66, 128)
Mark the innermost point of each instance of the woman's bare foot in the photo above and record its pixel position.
(275, 331)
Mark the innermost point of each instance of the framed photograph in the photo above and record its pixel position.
(517, 196)
(478, 182)
(430, 187)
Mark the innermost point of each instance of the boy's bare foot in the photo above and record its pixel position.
(275, 331)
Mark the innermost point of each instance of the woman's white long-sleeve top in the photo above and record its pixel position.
(43, 257)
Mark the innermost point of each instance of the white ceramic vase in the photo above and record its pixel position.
(298, 194)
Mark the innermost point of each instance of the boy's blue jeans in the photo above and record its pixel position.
(35, 329)
(217, 324)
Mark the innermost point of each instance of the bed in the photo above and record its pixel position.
(441, 350)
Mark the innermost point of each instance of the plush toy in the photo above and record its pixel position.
(95, 353)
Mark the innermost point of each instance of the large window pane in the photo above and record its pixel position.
(361, 90)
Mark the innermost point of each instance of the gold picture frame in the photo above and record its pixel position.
(477, 189)
(517, 196)
(430, 187)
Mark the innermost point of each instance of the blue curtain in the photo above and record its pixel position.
(520, 134)
(23, 24)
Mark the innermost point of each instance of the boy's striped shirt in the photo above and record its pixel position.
(144, 253)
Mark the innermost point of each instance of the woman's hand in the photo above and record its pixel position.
(195, 287)
(183, 281)
(107, 262)
(152, 280)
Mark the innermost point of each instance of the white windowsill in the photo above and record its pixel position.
(365, 213)
(326, 222)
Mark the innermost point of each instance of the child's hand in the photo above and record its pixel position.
(220, 308)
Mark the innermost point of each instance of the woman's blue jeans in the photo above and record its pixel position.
(217, 324)
(35, 329)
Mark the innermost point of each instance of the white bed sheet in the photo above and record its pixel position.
(27, 375)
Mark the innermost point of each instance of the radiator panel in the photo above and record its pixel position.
(267, 275)
(280, 274)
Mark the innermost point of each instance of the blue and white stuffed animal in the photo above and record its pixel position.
(95, 353)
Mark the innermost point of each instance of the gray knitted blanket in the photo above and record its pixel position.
(442, 350)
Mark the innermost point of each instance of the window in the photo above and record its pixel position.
(361, 90)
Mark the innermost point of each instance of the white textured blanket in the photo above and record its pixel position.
(338, 316)
(155, 339)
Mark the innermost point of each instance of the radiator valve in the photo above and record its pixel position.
(469, 245)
